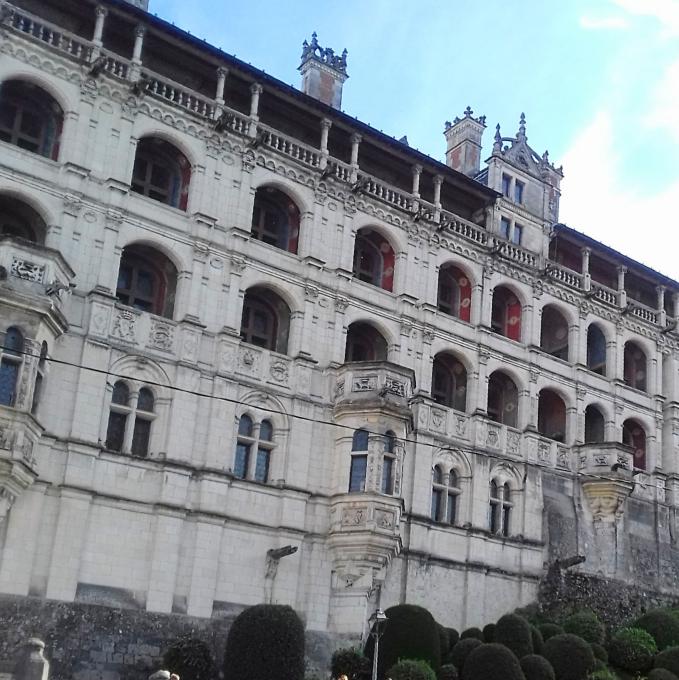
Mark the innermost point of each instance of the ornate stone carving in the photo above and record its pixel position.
(544, 451)
(354, 516)
(438, 419)
(606, 499)
(6, 437)
(366, 383)
(384, 519)
(562, 460)
(339, 388)
(395, 386)
(279, 371)
(341, 304)
(513, 443)
(493, 437)
(161, 335)
(460, 426)
(124, 325)
(190, 346)
(27, 270)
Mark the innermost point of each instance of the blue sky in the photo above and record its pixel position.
(597, 79)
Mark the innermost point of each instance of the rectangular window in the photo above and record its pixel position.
(518, 191)
(262, 465)
(436, 497)
(115, 434)
(359, 466)
(388, 475)
(451, 508)
(506, 185)
(240, 465)
(141, 436)
(517, 234)
(505, 226)
(9, 374)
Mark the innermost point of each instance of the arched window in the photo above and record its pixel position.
(161, 172)
(11, 358)
(275, 219)
(39, 378)
(500, 508)
(449, 382)
(30, 118)
(551, 415)
(19, 220)
(554, 333)
(265, 321)
(444, 496)
(506, 313)
(359, 460)
(365, 343)
(596, 350)
(594, 425)
(253, 437)
(634, 436)
(388, 463)
(130, 419)
(503, 399)
(374, 259)
(454, 293)
(147, 280)
(634, 370)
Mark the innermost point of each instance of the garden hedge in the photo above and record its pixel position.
(448, 672)
(453, 637)
(669, 660)
(586, 625)
(513, 631)
(265, 641)
(492, 661)
(571, 657)
(472, 633)
(489, 633)
(537, 640)
(411, 669)
(350, 661)
(548, 630)
(632, 649)
(536, 667)
(661, 674)
(190, 658)
(444, 640)
(599, 652)
(461, 651)
(662, 626)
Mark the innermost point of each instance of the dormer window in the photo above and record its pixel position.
(506, 185)
(518, 191)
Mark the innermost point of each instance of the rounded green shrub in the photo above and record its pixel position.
(668, 659)
(599, 652)
(513, 631)
(571, 657)
(603, 673)
(472, 633)
(536, 667)
(492, 662)
(599, 665)
(661, 674)
(410, 632)
(190, 659)
(350, 661)
(461, 651)
(411, 669)
(586, 625)
(448, 672)
(453, 637)
(536, 639)
(265, 641)
(548, 630)
(662, 626)
(632, 649)
(444, 640)
(489, 633)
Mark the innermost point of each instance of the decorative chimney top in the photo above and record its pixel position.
(323, 72)
(463, 137)
(142, 4)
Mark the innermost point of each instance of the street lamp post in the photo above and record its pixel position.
(377, 622)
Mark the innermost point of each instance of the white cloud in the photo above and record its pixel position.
(665, 11)
(595, 202)
(663, 111)
(608, 23)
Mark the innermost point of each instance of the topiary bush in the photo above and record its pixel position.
(669, 660)
(632, 649)
(661, 674)
(444, 640)
(410, 632)
(453, 637)
(604, 673)
(492, 662)
(548, 630)
(448, 672)
(536, 667)
(489, 633)
(411, 669)
(586, 624)
(571, 657)
(472, 633)
(513, 631)
(265, 641)
(536, 639)
(190, 658)
(350, 661)
(461, 651)
(599, 652)
(662, 626)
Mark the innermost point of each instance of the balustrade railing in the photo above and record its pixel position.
(643, 312)
(604, 294)
(385, 192)
(290, 147)
(176, 94)
(463, 228)
(115, 66)
(565, 275)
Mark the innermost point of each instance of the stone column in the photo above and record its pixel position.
(308, 341)
(255, 91)
(477, 394)
(164, 560)
(234, 306)
(205, 567)
(355, 144)
(586, 276)
(417, 173)
(572, 434)
(222, 73)
(438, 181)
(426, 361)
(577, 436)
(101, 13)
(622, 293)
(326, 124)
(135, 69)
(662, 314)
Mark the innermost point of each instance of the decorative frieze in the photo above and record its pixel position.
(27, 270)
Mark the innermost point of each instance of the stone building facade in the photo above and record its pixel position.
(255, 350)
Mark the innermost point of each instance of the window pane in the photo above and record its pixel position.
(121, 394)
(145, 401)
(506, 183)
(493, 518)
(436, 504)
(516, 235)
(505, 520)
(115, 435)
(240, 465)
(438, 475)
(388, 475)
(245, 426)
(389, 442)
(9, 372)
(262, 465)
(504, 227)
(14, 341)
(141, 436)
(37, 390)
(266, 431)
(357, 472)
(451, 508)
(360, 441)
(518, 192)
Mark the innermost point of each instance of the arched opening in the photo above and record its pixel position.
(161, 172)
(388, 463)
(500, 509)
(634, 436)
(374, 259)
(594, 425)
(365, 343)
(359, 460)
(506, 313)
(275, 219)
(30, 118)
(503, 399)
(554, 333)
(454, 292)
(19, 220)
(147, 280)
(449, 382)
(445, 495)
(596, 349)
(551, 415)
(266, 320)
(11, 358)
(634, 370)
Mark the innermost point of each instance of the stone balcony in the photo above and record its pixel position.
(601, 460)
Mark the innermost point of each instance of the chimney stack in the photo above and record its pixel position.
(142, 4)
(323, 72)
(463, 138)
